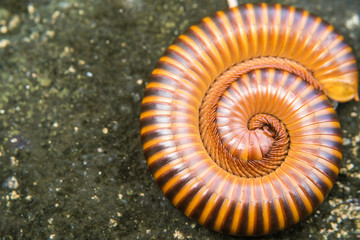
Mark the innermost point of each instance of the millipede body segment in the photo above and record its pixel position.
(236, 124)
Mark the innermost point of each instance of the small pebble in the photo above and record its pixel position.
(4, 43)
(353, 22)
(349, 166)
(178, 235)
(11, 182)
(112, 223)
(14, 22)
(95, 198)
(50, 34)
(3, 29)
(81, 62)
(14, 195)
(72, 69)
(346, 141)
(54, 16)
(139, 81)
(31, 9)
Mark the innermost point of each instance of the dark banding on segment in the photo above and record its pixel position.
(210, 220)
(215, 214)
(175, 189)
(185, 178)
(259, 220)
(228, 219)
(243, 224)
(184, 203)
(201, 205)
(299, 204)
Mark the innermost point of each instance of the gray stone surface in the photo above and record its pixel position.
(72, 75)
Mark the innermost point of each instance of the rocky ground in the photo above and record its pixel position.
(72, 76)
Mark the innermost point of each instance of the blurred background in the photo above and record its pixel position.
(72, 76)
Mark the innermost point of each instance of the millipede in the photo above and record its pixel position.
(236, 123)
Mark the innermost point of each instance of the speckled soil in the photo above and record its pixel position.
(72, 76)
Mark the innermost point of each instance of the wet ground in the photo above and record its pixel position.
(72, 76)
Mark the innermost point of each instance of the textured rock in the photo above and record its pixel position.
(72, 75)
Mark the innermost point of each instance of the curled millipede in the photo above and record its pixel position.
(235, 124)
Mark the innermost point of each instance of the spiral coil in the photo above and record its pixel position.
(235, 125)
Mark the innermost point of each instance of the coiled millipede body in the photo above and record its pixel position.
(235, 124)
